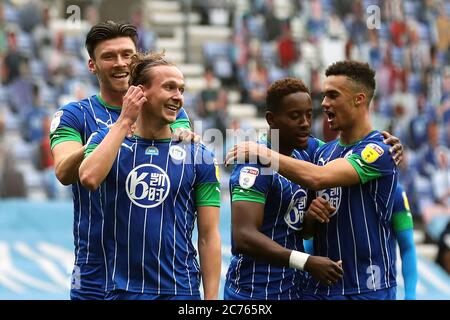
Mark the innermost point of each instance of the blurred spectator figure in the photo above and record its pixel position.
(315, 24)
(287, 48)
(256, 84)
(419, 122)
(444, 108)
(58, 62)
(147, 37)
(33, 130)
(429, 153)
(92, 14)
(379, 120)
(20, 91)
(29, 15)
(12, 181)
(3, 35)
(12, 61)
(441, 179)
(43, 35)
(212, 103)
(272, 24)
(443, 257)
(443, 27)
(357, 28)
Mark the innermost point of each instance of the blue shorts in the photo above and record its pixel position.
(88, 282)
(384, 294)
(126, 295)
(230, 294)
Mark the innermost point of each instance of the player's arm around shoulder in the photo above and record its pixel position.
(372, 160)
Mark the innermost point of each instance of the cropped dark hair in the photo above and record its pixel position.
(281, 88)
(359, 72)
(141, 63)
(109, 30)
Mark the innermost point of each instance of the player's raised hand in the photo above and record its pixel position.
(185, 135)
(397, 148)
(325, 270)
(131, 106)
(320, 210)
(249, 152)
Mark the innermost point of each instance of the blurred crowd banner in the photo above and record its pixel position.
(36, 253)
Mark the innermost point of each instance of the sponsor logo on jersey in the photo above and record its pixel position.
(147, 185)
(152, 151)
(56, 120)
(372, 152)
(296, 210)
(247, 177)
(333, 196)
(177, 153)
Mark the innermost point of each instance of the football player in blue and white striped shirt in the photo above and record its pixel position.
(110, 46)
(357, 175)
(268, 209)
(153, 190)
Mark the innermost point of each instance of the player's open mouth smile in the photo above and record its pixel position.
(120, 75)
(172, 107)
(330, 115)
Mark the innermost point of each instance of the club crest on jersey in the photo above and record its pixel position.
(372, 152)
(296, 210)
(56, 120)
(333, 196)
(247, 177)
(152, 151)
(147, 185)
(177, 153)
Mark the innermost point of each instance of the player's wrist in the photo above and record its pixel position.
(297, 260)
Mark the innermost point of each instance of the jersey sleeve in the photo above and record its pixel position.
(313, 145)
(249, 184)
(401, 213)
(94, 140)
(372, 160)
(67, 125)
(207, 182)
(182, 120)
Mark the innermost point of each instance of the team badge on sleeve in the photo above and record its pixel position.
(372, 152)
(56, 120)
(247, 177)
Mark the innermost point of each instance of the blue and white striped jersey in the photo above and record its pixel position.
(76, 121)
(149, 208)
(284, 207)
(359, 232)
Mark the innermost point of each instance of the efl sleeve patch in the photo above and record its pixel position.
(405, 200)
(372, 152)
(247, 177)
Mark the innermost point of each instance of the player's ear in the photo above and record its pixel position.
(91, 66)
(360, 98)
(270, 118)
